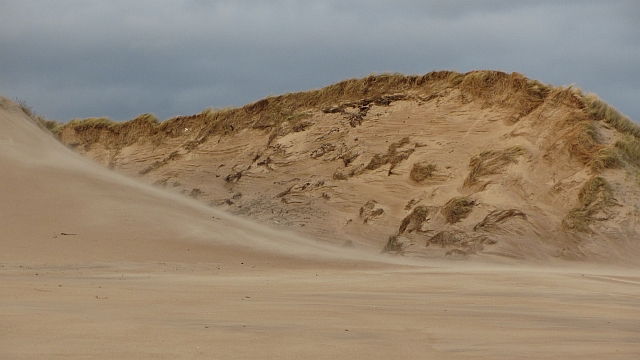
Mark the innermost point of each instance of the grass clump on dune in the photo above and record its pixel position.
(50, 125)
(629, 147)
(393, 245)
(491, 162)
(595, 196)
(94, 122)
(422, 171)
(457, 209)
(606, 158)
(600, 110)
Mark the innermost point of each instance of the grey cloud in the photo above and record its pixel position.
(76, 59)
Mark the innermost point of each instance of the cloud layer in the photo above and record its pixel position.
(71, 59)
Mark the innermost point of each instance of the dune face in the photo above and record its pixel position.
(96, 265)
(441, 165)
(59, 208)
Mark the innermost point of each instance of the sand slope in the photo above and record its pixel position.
(148, 274)
(482, 164)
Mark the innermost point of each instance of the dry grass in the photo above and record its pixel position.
(92, 123)
(417, 217)
(393, 156)
(269, 113)
(595, 196)
(393, 245)
(583, 141)
(50, 125)
(498, 216)
(596, 192)
(602, 111)
(422, 171)
(629, 147)
(606, 158)
(457, 209)
(491, 162)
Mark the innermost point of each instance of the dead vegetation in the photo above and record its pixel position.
(268, 114)
(491, 221)
(584, 142)
(594, 198)
(602, 111)
(491, 162)
(629, 148)
(422, 171)
(460, 240)
(41, 121)
(393, 245)
(394, 156)
(457, 209)
(370, 211)
(605, 158)
(497, 88)
(414, 220)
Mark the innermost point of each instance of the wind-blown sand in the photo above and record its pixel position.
(142, 273)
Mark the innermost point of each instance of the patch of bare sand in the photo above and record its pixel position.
(143, 274)
(185, 310)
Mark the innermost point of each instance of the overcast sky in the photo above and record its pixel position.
(75, 59)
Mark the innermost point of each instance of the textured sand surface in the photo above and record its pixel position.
(517, 154)
(97, 266)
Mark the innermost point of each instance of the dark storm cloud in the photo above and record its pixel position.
(120, 58)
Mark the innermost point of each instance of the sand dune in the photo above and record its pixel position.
(478, 165)
(96, 265)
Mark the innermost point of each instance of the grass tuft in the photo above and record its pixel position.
(491, 162)
(595, 196)
(606, 158)
(422, 171)
(393, 245)
(583, 142)
(629, 147)
(417, 217)
(457, 209)
(602, 111)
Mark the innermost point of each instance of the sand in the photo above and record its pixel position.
(96, 265)
(341, 170)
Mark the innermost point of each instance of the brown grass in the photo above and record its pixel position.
(393, 156)
(393, 245)
(457, 209)
(583, 142)
(629, 147)
(491, 162)
(417, 217)
(50, 125)
(498, 216)
(602, 111)
(422, 171)
(267, 114)
(605, 158)
(595, 196)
